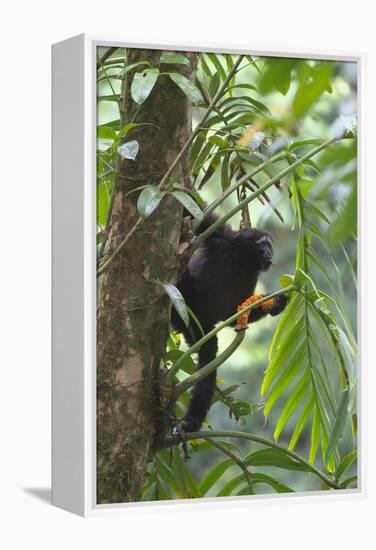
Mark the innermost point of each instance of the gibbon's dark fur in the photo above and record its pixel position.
(219, 277)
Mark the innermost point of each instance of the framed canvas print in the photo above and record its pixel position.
(206, 313)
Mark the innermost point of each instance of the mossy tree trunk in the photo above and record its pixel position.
(134, 313)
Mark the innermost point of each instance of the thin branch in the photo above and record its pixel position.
(237, 461)
(197, 242)
(196, 346)
(109, 261)
(266, 197)
(176, 439)
(108, 79)
(226, 400)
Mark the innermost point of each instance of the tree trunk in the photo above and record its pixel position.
(134, 313)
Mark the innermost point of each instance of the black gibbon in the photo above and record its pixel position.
(219, 277)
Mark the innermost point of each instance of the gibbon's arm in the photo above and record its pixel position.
(274, 306)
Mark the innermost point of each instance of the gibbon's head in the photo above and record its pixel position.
(259, 247)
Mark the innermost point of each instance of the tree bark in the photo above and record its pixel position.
(134, 313)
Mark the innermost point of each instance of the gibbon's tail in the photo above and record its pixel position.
(203, 391)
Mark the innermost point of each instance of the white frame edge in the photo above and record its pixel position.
(74, 278)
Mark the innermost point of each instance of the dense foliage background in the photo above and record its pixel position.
(293, 379)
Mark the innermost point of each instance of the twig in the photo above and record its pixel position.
(108, 78)
(267, 198)
(237, 461)
(227, 401)
(108, 262)
(176, 439)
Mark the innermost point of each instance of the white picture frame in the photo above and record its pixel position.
(74, 278)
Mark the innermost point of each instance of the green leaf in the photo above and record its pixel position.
(317, 212)
(190, 90)
(231, 486)
(148, 200)
(218, 141)
(276, 74)
(274, 483)
(184, 475)
(128, 127)
(197, 146)
(246, 86)
(105, 132)
(174, 355)
(304, 143)
(286, 280)
(339, 425)
(214, 84)
(217, 64)
(177, 301)
(174, 58)
(205, 66)
(114, 98)
(225, 176)
(346, 463)
(283, 352)
(285, 380)
(142, 84)
(160, 493)
(114, 124)
(292, 403)
(202, 157)
(169, 477)
(315, 434)
(290, 316)
(350, 359)
(213, 475)
(303, 419)
(188, 203)
(103, 201)
(349, 481)
(310, 89)
(276, 458)
(231, 389)
(131, 67)
(241, 408)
